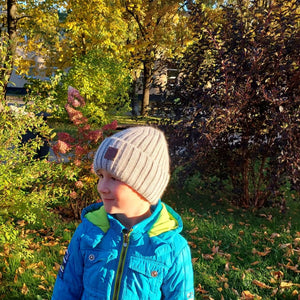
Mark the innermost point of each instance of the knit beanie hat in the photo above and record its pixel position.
(139, 157)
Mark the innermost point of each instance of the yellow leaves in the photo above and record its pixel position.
(24, 289)
(56, 267)
(194, 230)
(277, 276)
(200, 289)
(246, 295)
(291, 267)
(51, 244)
(266, 251)
(284, 285)
(261, 284)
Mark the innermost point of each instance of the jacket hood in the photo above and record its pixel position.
(163, 219)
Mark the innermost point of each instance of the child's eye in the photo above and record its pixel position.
(100, 175)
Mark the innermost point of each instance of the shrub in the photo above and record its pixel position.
(104, 83)
(24, 188)
(237, 106)
(77, 153)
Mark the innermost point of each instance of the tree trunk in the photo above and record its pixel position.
(246, 196)
(146, 87)
(12, 43)
(133, 97)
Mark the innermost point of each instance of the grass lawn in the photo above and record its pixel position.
(237, 253)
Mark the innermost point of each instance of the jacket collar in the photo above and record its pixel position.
(163, 219)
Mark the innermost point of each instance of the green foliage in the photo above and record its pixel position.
(43, 95)
(103, 81)
(5, 65)
(24, 193)
(238, 111)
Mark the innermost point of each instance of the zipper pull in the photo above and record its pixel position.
(126, 233)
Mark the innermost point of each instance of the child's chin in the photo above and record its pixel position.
(111, 209)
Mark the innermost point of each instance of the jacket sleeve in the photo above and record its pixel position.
(179, 282)
(69, 279)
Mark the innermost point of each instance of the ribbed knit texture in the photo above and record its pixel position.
(139, 157)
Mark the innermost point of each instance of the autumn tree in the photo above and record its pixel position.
(24, 28)
(238, 104)
(158, 32)
(91, 48)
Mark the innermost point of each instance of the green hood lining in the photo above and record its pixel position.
(165, 221)
(99, 218)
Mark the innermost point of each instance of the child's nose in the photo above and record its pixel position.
(102, 186)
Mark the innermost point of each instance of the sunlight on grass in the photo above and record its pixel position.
(239, 253)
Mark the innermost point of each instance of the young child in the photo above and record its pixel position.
(128, 246)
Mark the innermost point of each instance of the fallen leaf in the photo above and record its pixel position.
(278, 275)
(246, 295)
(33, 266)
(20, 270)
(215, 249)
(283, 246)
(208, 256)
(292, 268)
(274, 292)
(199, 289)
(192, 244)
(275, 235)
(21, 223)
(227, 267)
(24, 289)
(42, 287)
(51, 244)
(284, 284)
(261, 284)
(297, 241)
(194, 230)
(56, 267)
(260, 253)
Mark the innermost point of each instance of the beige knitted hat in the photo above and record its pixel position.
(139, 157)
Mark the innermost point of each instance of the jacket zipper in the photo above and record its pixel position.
(119, 274)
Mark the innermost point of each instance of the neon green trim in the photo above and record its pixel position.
(165, 222)
(99, 218)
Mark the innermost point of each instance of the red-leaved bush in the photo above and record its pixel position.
(75, 153)
(236, 108)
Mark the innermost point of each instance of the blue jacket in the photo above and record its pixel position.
(106, 261)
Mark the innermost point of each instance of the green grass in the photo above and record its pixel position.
(29, 272)
(239, 253)
(123, 121)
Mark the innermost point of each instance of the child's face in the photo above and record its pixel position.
(119, 198)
